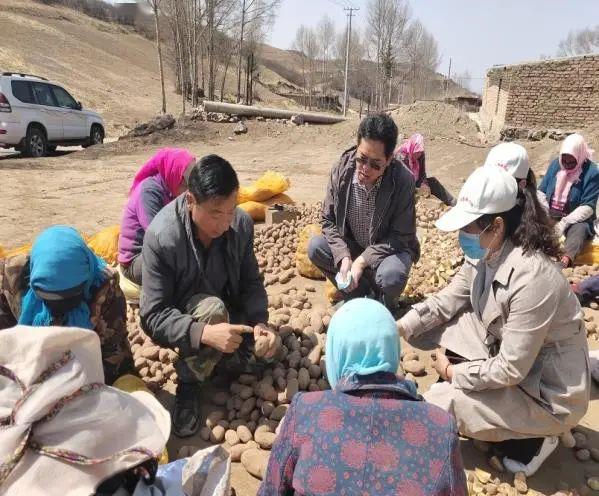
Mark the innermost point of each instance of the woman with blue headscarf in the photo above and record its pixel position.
(63, 283)
(371, 431)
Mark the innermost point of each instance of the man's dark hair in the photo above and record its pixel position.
(379, 127)
(212, 176)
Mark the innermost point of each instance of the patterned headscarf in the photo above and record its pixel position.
(168, 163)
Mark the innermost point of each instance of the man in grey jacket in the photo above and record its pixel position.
(202, 290)
(369, 217)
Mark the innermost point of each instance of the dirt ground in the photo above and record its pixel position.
(88, 189)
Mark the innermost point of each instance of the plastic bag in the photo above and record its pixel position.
(105, 244)
(304, 266)
(131, 290)
(270, 184)
(257, 210)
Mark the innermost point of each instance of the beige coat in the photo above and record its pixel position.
(527, 373)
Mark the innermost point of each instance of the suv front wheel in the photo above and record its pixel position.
(36, 144)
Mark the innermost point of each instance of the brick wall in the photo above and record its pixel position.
(559, 93)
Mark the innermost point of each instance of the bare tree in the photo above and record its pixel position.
(580, 42)
(422, 55)
(155, 5)
(257, 12)
(326, 40)
(386, 24)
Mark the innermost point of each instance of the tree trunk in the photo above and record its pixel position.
(240, 52)
(159, 49)
(222, 86)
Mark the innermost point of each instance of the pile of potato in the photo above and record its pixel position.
(275, 246)
(153, 363)
(441, 256)
(249, 413)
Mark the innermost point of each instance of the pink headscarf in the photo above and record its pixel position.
(170, 164)
(576, 146)
(411, 146)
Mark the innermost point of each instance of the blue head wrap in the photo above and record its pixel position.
(362, 339)
(60, 260)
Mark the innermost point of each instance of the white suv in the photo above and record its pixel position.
(36, 116)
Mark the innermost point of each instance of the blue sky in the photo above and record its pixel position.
(476, 34)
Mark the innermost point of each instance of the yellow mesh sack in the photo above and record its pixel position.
(131, 383)
(589, 255)
(2, 252)
(21, 250)
(270, 184)
(331, 292)
(257, 210)
(304, 266)
(105, 244)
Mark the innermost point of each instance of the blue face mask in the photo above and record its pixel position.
(470, 244)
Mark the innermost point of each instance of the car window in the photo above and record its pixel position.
(43, 94)
(22, 91)
(63, 98)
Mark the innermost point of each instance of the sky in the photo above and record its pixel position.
(475, 34)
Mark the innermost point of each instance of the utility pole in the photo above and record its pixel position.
(350, 14)
(448, 78)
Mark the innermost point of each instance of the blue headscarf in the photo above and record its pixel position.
(60, 260)
(362, 339)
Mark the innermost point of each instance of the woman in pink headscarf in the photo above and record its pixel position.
(571, 189)
(411, 154)
(156, 184)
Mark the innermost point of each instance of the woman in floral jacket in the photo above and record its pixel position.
(371, 434)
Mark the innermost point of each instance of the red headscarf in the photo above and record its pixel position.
(411, 146)
(168, 163)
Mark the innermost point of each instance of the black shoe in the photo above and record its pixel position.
(186, 414)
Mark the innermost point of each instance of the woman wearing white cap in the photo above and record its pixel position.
(571, 189)
(511, 321)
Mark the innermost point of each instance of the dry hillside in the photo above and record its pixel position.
(108, 67)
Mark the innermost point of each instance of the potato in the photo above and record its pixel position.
(205, 433)
(214, 417)
(237, 450)
(244, 433)
(220, 398)
(314, 355)
(218, 434)
(265, 439)
(292, 388)
(314, 371)
(255, 462)
(279, 412)
(246, 392)
(187, 451)
(231, 437)
(261, 346)
(248, 406)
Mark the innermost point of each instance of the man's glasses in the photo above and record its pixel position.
(365, 161)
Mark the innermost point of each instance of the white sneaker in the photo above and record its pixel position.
(549, 445)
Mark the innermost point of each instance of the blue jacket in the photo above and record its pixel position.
(584, 192)
(371, 435)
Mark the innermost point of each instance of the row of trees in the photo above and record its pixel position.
(580, 42)
(394, 56)
(211, 38)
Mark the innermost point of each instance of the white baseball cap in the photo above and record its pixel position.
(488, 190)
(511, 157)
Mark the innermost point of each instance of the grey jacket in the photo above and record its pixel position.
(393, 228)
(172, 270)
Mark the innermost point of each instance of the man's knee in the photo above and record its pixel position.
(319, 250)
(209, 309)
(392, 275)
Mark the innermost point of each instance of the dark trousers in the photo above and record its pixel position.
(438, 190)
(132, 271)
(387, 281)
(576, 236)
(588, 289)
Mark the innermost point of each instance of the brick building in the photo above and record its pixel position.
(556, 93)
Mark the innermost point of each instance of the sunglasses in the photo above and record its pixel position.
(365, 161)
